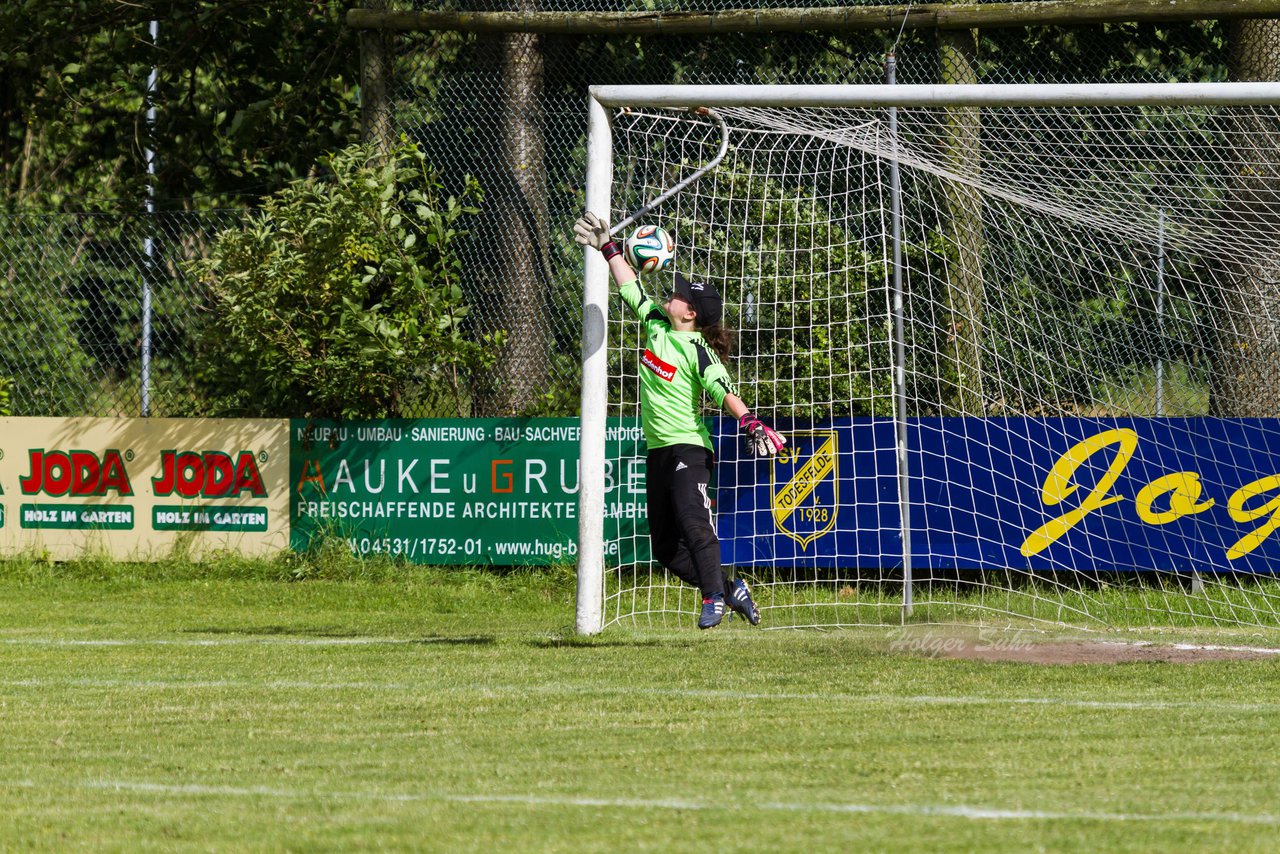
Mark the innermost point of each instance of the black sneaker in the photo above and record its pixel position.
(740, 600)
(712, 612)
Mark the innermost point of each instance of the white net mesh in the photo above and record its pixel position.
(1090, 324)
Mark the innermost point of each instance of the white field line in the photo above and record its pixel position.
(1194, 647)
(207, 684)
(961, 811)
(960, 700)
(552, 689)
(259, 640)
(236, 641)
(1261, 650)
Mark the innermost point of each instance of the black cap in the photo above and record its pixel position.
(704, 298)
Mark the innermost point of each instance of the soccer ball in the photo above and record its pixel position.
(650, 248)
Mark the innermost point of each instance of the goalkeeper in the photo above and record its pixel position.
(686, 347)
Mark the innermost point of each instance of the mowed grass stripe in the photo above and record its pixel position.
(598, 691)
(960, 811)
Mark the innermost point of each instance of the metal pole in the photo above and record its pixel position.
(1197, 583)
(595, 383)
(1160, 314)
(617, 227)
(941, 95)
(149, 242)
(148, 247)
(899, 344)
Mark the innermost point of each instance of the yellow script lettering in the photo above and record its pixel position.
(1183, 489)
(1235, 505)
(1058, 485)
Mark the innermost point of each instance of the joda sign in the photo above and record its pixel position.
(139, 488)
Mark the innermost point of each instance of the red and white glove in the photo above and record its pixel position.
(761, 440)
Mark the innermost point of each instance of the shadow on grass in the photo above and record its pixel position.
(334, 632)
(569, 641)
(275, 631)
(478, 640)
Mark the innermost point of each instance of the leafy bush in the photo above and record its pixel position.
(342, 298)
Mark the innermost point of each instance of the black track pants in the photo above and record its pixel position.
(681, 528)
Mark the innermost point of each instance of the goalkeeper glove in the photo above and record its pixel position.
(761, 441)
(591, 230)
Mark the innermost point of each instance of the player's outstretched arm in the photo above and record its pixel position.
(591, 230)
(760, 439)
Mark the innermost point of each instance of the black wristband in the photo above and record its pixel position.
(611, 250)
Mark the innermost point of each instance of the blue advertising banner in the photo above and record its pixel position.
(1023, 493)
(829, 499)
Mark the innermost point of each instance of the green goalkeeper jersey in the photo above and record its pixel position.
(675, 369)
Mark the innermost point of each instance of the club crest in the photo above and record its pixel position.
(805, 485)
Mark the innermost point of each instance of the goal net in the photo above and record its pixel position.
(1026, 355)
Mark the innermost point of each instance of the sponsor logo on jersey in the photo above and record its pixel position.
(659, 367)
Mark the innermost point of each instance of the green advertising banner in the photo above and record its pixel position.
(462, 491)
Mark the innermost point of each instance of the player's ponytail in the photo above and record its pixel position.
(720, 338)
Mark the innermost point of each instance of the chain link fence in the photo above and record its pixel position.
(472, 122)
(509, 109)
(99, 314)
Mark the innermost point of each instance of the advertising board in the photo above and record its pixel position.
(496, 491)
(142, 488)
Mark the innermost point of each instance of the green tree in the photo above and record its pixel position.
(1247, 333)
(248, 96)
(342, 299)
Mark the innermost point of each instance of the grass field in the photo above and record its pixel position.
(226, 708)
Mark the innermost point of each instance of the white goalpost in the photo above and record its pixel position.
(1024, 341)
